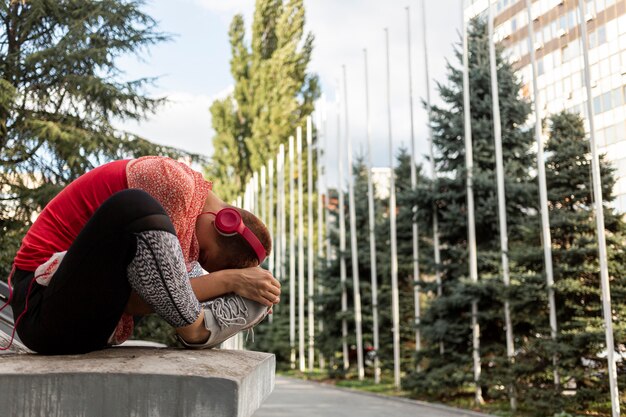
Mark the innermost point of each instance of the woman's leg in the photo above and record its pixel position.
(128, 243)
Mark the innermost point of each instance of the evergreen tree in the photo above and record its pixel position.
(404, 237)
(60, 89)
(446, 319)
(273, 92)
(330, 340)
(580, 345)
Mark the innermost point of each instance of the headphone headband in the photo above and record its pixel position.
(228, 222)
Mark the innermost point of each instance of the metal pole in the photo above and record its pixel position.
(433, 167)
(356, 291)
(255, 193)
(280, 166)
(471, 226)
(599, 208)
(372, 226)
(310, 253)
(395, 299)
(342, 241)
(414, 226)
(302, 359)
(283, 214)
(270, 213)
(504, 243)
(263, 195)
(321, 132)
(292, 258)
(543, 194)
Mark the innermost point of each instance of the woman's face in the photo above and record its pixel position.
(206, 235)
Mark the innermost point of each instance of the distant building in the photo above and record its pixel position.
(380, 179)
(558, 50)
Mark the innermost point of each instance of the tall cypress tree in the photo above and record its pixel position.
(446, 319)
(60, 90)
(273, 92)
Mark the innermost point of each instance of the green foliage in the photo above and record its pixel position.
(60, 89)
(273, 92)
(446, 320)
(580, 345)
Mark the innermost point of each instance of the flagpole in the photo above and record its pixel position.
(356, 292)
(263, 203)
(270, 213)
(471, 226)
(372, 226)
(433, 168)
(504, 240)
(321, 132)
(599, 209)
(280, 162)
(282, 266)
(292, 257)
(543, 194)
(395, 299)
(414, 225)
(301, 357)
(310, 253)
(342, 241)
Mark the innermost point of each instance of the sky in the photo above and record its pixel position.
(193, 69)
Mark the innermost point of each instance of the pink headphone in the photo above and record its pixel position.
(228, 222)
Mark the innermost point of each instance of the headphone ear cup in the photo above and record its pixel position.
(228, 221)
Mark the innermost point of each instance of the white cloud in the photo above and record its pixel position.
(184, 122)
(226, 9)
(342, 29)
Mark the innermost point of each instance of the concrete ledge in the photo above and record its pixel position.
(129, 381)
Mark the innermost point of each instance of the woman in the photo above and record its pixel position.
(123, 240)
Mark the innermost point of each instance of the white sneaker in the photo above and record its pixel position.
(226, 316)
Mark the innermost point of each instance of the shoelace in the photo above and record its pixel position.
(229, 310)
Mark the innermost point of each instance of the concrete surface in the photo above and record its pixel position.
(293, 397)
(132, 381)
(5, 338)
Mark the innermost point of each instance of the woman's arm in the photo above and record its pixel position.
(253, 283)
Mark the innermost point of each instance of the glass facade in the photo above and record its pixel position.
(558, 49)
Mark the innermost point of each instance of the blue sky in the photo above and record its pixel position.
(194, 66)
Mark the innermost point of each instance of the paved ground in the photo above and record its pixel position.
(305, 399)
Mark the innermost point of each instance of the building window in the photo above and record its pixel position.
(563, 23)
(609, 100)
(617, 97)
(597, 37)
(597, 105)
(606, 101)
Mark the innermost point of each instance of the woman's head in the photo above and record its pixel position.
(219, 252)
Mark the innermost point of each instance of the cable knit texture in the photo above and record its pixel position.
(158, 275)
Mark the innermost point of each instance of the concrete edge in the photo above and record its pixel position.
(126, 404)
(256, 390)
(436, 406)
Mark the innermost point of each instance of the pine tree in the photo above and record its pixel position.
(446, 319)
(580, 344)
(404, 236)
(273, 92)
(60, 90)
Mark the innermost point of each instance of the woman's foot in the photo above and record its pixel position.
(226, 316)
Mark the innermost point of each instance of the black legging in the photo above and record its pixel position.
(87, 295)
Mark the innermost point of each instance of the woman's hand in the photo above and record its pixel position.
(257, 284)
